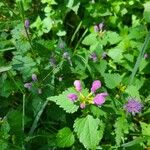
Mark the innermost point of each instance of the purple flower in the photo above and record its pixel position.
(100, 98)
(133, 106)
(100, 26)
(27, 23)
(96, 29)
(82, 105)
(66, 55)
(95, 85)
(34, 77)
(77, 85)
(93, 56)
(28, 85)
(72, 97)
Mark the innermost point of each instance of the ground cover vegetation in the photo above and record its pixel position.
(74, 74)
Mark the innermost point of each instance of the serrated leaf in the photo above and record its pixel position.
(121, 127)
(87, 131)
(112, 80)
(65, 138)
(116, 54)
(90, 39)
(113, 37)
(132, 91)
(64, 102)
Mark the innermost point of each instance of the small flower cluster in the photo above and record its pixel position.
(133, 106)
(98, 27)
(91, 98)
(29, 85)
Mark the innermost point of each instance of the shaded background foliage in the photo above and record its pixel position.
(58, 47)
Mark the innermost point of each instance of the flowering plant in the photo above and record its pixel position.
(91, 98)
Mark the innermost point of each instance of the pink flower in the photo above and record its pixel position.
(72, 97)
(95, 85)
(82, 105)
(77, 85)
(100, 98)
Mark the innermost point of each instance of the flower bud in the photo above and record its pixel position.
(77, 85)
(34, 77)
(95, 85)
(28, 85)
(27, 23)
(82, 105)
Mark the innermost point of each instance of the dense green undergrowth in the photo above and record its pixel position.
(74, 74)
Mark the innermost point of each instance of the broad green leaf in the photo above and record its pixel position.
(64, 102)
(116, 54)
(65, 138)
(146, 131)
(101, 67)
(112, 80)
(113, 37)
(145, 128)
(146, 13)
(5, 68)
(87, 131)
(132, 91)
(90, 39)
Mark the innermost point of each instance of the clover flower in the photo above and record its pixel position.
(28, 85)
(77, 85)
(100, 98)
(34, 77)
(72, 97)
(95, 85)
(133, 106)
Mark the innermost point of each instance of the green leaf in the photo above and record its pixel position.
(146, 13)
(145, 128)
(112, 80)
(132, 91)
(65, 138)
(90, 39)
(61, 33)
(64, 102)
(113, 37)
(5, 68)
(87, 131)
(116, 54)
(73, 5)
(121, 127)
